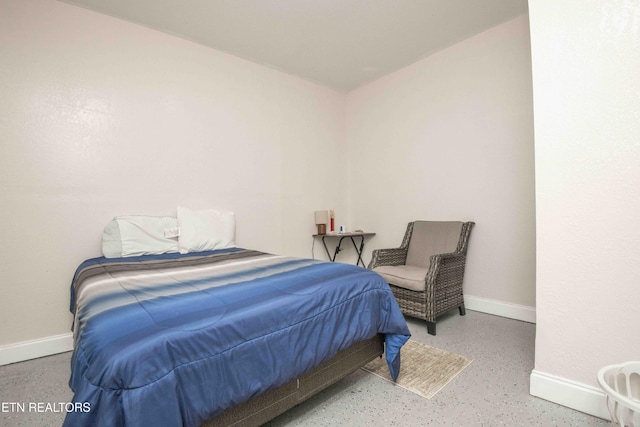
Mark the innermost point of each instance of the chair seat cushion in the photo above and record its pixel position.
(404, 276)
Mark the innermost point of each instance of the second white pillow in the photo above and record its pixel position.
(205, 230)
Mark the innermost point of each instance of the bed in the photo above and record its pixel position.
(221, 336)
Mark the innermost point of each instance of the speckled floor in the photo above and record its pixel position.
(492, 391)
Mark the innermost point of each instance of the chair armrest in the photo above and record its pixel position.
(446, 269)
(392, 256)
(451, 256)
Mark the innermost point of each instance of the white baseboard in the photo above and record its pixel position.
(501, 308)
(571, 394)
(33, 349)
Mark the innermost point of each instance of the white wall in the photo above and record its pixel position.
(100, 117)
(586, 80)
(451, 138)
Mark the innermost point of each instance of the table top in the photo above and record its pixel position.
(346, 234)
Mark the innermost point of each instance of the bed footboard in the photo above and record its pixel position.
(260, 409)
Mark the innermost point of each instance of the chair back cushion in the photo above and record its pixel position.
(432, 238)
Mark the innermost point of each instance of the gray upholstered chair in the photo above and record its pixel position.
(426, 272)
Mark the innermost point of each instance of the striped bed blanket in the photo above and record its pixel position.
(176, 339)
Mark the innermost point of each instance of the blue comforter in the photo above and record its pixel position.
(176, 339)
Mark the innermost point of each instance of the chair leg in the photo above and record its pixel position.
(462, 310)
(431, 328)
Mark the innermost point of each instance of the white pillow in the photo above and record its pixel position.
(133, 235)
(205, 230)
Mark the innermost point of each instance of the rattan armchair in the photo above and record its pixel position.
(426, 272)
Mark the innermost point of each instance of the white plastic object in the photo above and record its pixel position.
(621, 384)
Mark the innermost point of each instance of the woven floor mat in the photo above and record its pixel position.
(424, 370)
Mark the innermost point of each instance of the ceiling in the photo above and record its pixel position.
(338, 43)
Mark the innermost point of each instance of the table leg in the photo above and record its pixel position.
(326, 249)
(359, 250)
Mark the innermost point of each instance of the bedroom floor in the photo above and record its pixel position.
(493, 390)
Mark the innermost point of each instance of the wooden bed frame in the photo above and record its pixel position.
(260, 409)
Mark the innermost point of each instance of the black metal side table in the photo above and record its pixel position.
(351, 236)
